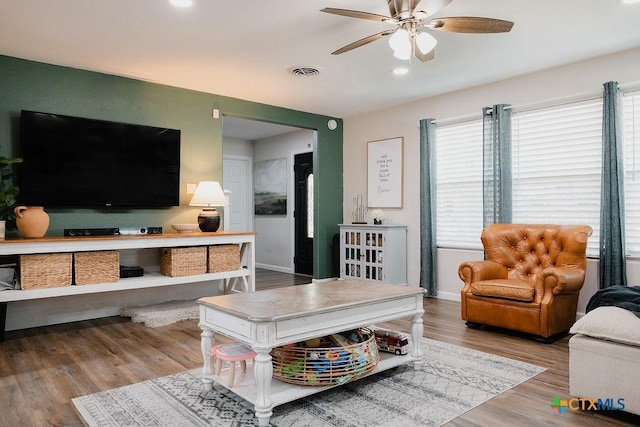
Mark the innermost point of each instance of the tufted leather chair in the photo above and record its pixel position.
(530, 280)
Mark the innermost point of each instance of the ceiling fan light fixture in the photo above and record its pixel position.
(425, 42)
(400, 40)
(403, 54)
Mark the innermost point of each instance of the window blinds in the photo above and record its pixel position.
(557, 166)
(459, 185)
(631, 135)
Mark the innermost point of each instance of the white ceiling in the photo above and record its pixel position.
(244, 49)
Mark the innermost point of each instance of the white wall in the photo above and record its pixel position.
(402, 121)
(274, 241)
(237, 147)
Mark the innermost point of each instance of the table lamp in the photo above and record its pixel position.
(208, 194)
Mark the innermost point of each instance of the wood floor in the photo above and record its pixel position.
(42, 369)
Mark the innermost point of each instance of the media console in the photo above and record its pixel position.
(151, 278)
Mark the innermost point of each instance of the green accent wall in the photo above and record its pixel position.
(28, 85)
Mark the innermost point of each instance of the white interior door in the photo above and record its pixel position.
(237, 176)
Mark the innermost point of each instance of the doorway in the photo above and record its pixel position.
(303, 213)
(237, 177)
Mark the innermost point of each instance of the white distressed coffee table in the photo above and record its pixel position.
(271, 318)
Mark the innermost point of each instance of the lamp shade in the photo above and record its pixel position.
(208, 193)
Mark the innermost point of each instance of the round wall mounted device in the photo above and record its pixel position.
(332, 124)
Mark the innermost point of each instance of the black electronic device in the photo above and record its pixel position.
(131, 271)
(73, 162)
(83, 232)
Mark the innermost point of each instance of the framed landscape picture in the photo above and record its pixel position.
(385, 173)
(270, 187)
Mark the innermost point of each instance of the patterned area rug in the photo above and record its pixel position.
(452, 381)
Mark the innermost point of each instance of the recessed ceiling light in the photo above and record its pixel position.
(629, 1)
(182, 3)
(400, 71)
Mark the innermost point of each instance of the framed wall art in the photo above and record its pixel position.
(385, 174)
(270, 186)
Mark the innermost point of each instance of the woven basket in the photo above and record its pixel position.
(187, 261)
(96, 267)
(223, 258)
(321, 366)
(43, 271)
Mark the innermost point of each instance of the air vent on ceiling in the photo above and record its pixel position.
(305, 71)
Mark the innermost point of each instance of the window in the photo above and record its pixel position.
(310, 206)
(557, 166)
(631, 135)
(459, 185)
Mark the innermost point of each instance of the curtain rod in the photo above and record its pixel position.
(584, 96)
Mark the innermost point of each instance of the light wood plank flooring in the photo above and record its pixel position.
(41, 369)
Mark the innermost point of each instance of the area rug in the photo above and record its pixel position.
(162, 314)
(451, 381)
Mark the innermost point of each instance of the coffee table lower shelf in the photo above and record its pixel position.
(244, 384)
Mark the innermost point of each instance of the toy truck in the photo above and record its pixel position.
(392, 341)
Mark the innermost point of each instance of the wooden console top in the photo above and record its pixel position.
(126, 237)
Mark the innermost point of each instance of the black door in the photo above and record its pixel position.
(303, 214)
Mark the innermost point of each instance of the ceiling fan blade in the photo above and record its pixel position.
(470, 24)
(424, 57)
(356, 14)
(363, 41)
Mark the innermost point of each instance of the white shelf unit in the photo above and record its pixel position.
(374, 252)
(151, 279)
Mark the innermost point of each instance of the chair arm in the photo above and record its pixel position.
(563, 280)
(474, 271)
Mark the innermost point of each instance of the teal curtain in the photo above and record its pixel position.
(612, 247)
(428, 242)
(497, 200)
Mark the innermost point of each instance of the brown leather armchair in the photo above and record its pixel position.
(530, 280)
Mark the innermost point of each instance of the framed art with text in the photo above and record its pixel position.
(385, 173)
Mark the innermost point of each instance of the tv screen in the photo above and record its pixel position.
(87, 163)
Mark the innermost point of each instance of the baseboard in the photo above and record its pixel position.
(328, 279)
(450, 296)
(274, 268)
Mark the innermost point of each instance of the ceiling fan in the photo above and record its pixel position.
(410, 36)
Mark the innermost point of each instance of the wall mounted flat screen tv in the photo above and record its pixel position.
(73, 162)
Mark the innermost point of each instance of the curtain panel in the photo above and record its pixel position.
(428, 241)
(497, 188)
(612, 245)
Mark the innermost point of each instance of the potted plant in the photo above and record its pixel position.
(8, 191)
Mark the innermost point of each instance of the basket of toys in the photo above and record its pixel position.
(334, 359)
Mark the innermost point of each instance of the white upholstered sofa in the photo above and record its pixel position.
(604, 356)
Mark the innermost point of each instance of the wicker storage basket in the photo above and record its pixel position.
(187, 261)
(320, 366)
(41, 271)
(223, 258)
(96, 267)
